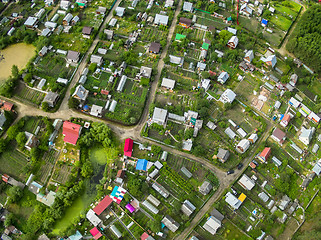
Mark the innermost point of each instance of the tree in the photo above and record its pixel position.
(188, 133)
(9, 220)
(92, 67)
(3, 145)
(101, 133)
(87, 169)
(73, 103)
(28, 77)
(15, 71)
(156, 149)
(45, 106)
(14, 193)
(12, 132)
(21, 139)
(144, 81)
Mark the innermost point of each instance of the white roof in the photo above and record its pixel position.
(62, 80)
(158, 164)
(31, 21)
(243, 145)
(263, 196)
(313, 116)
(222, 78)
(277, 104)
(120, 11)
(168, 83)
(153, 200)
(112, 106)
(150, 207)
(232, 30)
(232, 200)
(235, 40)
(212, 225)
(241, 132)
(229, 132)
(159, 115)
(295, 103)
(161, 19)
(96, 110)
(112, 22)
(188, 6)
(91, 216)
(253, 137)
(50, 24)
(228, 96)
(122, 83)
(246, 182)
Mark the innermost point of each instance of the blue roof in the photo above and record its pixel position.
(264, 21)
(114, 192)
(141, 164)
(282, 116)
(76, 236)
(86, 108)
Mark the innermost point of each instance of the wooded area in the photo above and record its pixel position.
(306, 40)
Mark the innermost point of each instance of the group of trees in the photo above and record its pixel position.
(306, 40)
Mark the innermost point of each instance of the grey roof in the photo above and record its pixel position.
(150, 207)
(232, 200)
(68, 18)
(159, 115)
(284, 202)
(170, 223)
(222, 78)
(176, 60)
(112, 22)
(75, 19)
(206, 187)
(223, 154)
(73, 55)
(115, 231)
(201, 66)
(188, 6)
(80, 93)
(317, 168)
(31, 21)
(153, 200)
(96, 59)
(229, 132)
(250, 55)
(112, 106)
(263, 196)
(215, 213)
(161, 19)
(43, 50)
(188, 208)
(51, 98)
(276, 161)
(146, 71)
(45, 32)
(161, 190)
(246, 182)
(120, 11)
(154, 47)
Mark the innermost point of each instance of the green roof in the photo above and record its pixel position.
(229, 19)
(179, 36)
(205, 46)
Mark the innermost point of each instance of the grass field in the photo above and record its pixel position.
(281, 22)
(13, 162)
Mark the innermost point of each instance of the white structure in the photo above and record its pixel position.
(64, 5)
(150, 207)
(243, 145)
(96, 110)
(222, 78)
(161, 19)
(246, 182)
(120, 11)
(112, 106)
(253, 138)
(233, 42)
(212, 225)
(188, 208)
(228, 96)
(168, 83)
(121, 83)
(160, 116)
(188, 7)
(232, 200)
(91, 216)
(306, 135)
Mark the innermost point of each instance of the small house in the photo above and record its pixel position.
(228, 96)
(223, 155)
(269, 61)
(168, 83)
(233, 42)
(101, 10)
(67, 19)
(170, 223)
(185, 22)
(31, 22)
(109, 34)
(96, 110)
(96, 59)
(128, 148)
(188, 208)
(86, 32)
(264, 155)
(243, 146)
(80, 93)
(278, 135)
(188, 7)
(233, 201)
(222, 78)
(306, 135)
(120, 11)
(154, 47)
(51, 98)
(72, 56)
(71, 132)
(285, 120)
(205, 188)
(246, 182)
(160, 116)
(43, 51)
(2, 119)
(161, 20)
(249, 56)
(64, 5)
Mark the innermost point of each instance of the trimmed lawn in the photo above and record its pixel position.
(282, 22)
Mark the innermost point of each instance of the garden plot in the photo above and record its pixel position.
(150, 34)
(49, 162)
(32, 96)
(13, 163)
(281, 22)
(61, 172)
(68, 152)
(125, 27)
(208, 20)
(101, 82)
(31, 124)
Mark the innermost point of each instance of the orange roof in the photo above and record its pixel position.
(286, 117)
(265, 153)
(242, 197)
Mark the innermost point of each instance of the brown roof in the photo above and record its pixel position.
(279, 134)
(121, 174)
(186, 21)
(87, 30)
(154, 47)
(73, 55)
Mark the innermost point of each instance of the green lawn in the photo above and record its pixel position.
(285, 10)
(282, 22)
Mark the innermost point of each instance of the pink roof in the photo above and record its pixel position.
(102, 205)
(94, 231)
(130, 208)
(97, 236)
(144, 236)
(71, 132)
(128, 148)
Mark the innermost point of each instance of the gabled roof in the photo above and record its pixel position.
(154, 47)
(185, 21)
(128, 148)
(71, 132)
(87, 30)
(102, 205)
(141, 164)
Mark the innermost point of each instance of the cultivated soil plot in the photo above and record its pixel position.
(150, 34)
(24, 93)
(61, 173)
(49, 162)
(13, 162)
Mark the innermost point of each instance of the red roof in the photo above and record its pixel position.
(71, 132)
(95, 232)
(102, 205)
(7, 106)
(120, 173)
(265, 153)
(144, 236)
(104, 92)
(5, 178)
(128, 148)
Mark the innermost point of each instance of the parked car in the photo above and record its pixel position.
(239, 166)
(230, 172)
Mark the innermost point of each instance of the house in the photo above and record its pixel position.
(101, 10)
(115, 231)
(306, 135)
(246, 182)
(205, 188)
(120, 11)
(264, 22)
(185, 22)
(253, 138)
(31, 22)
(141, 165)
(263, 157)
(145, 72)
(263, 196)
(249, 56)
(128, 148)
(233, 201)
(231, 30)
(96, 59)
(246, 10)
(72, 57)
(223, 155)
(40, 13)
(285, 120)
(64, 5)
(313, 117)
(229, 132)
(47, 199)
(51, 25)
(161, 20)
(188, 208)
(243, 146)
(43, 51)
(32, 140)
(51, 98)
(7, 106)
(304, 110)
(45, 32)
(96, 110)
(160, 116)
(154, 47)
(41, 84)
(317, 168)
(203, 54)
(109, 34)
(205, 84)
(75, 20)
(187, 145)
(212, 225)
(86, 32)
(168, 83)
(176, 60)
(293, 79)
(102, 205)
(67, 19)
(284, 202)
(170, 223)
(228, 96)
(145, 235)
(169, 3)
(80, 93)
(232, 43)
(188, 7)
(295, 103)
(222, 78)
(71, 132)
(269, 61)
(278, 136)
